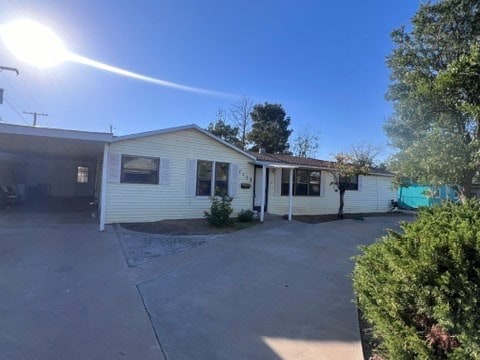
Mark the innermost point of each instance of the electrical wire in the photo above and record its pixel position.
(30, 93)
(19, 97)
(13, 108)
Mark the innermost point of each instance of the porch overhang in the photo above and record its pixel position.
(23, 143)
(19, 140)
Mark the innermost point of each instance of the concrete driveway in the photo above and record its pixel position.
(67, 292)
(276, 291)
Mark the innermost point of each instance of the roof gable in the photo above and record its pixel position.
(182, 128)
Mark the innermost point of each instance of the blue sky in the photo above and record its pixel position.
(324, 61)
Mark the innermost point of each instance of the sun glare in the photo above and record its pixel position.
(33, 43)
(37, 45)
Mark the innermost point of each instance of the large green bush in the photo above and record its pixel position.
(420, 289)
(220, 211)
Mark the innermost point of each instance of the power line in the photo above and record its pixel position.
(22, 94)
(13, 108)
(18, 96)
(30, 93)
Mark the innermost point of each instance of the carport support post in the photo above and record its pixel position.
(103, 188)
(290, 195)
(262, 204)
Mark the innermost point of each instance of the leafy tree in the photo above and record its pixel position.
(348, 167)
(435, 90)
(240, 114)
(307, 142)
(270, 128)
(221, 129)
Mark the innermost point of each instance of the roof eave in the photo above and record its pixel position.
(14, 129)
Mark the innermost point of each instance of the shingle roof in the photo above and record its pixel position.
(293, 160)
(307, 162)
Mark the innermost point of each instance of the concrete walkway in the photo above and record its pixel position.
(276, 291)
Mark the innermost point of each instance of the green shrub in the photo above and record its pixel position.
(220, 211)
(421, 289)
(245, 216)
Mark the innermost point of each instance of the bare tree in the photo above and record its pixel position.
(307, 142)
(364, 153)
(240, 114)
(221, 129)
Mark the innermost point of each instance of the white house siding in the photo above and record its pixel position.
(374, 196)
(144, 203)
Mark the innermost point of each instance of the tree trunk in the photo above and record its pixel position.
(342, 203)
(466, 191)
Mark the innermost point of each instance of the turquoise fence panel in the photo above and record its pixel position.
(415, 196)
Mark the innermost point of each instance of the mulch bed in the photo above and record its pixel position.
(185, 227)
(316, 219)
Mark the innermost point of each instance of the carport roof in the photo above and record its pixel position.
(32, 140)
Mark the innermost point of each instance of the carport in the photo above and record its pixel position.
(52, 170)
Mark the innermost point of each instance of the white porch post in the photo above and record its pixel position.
(103, 188)
(290, 195)
(264, 186)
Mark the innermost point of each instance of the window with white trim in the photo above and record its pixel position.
(139, 169)
(306, 182)
(221, 178)
(212, 178)
(352, 182)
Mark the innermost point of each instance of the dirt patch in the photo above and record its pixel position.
(316, 219)
(185, 227)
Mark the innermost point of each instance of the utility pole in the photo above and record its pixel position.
(9, 69)
(35, 114)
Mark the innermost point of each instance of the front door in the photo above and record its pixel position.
(257, 194)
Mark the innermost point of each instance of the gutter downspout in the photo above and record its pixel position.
(103, 188)
(262, 204)
(290, 195)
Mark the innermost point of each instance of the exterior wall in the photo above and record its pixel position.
(57, 176)
(374, 196)
(61, 177)
(146, 203)
(6, 176)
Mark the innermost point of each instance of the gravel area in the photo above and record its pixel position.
(140, 247)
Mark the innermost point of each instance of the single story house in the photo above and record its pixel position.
(171, 174)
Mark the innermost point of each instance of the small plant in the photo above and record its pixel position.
(245, 216)
(220, 211)
(420, 289)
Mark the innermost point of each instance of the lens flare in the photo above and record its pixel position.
(34, 43)
(37, 45)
